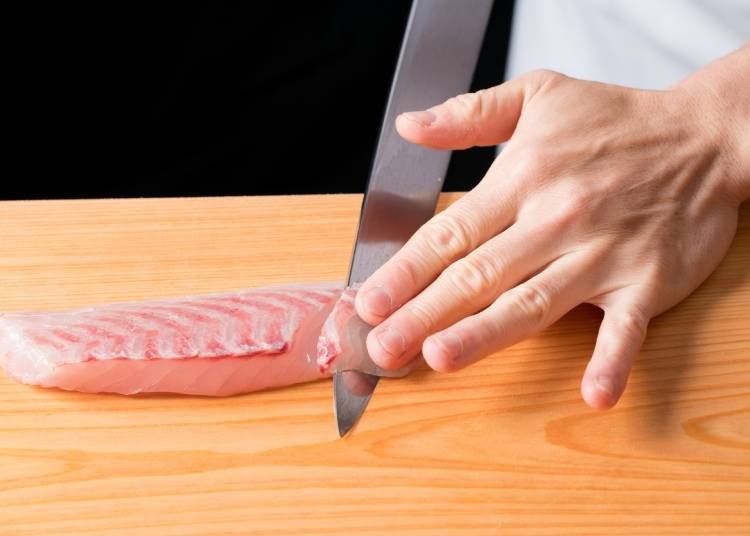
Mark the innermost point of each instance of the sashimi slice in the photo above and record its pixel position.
(342, 342)
(332, 341)
(214, 345)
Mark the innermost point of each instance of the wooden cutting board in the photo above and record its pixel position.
(504, 447)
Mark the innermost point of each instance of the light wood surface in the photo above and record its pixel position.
(504, 447)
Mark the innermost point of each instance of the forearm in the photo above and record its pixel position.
(720, 94)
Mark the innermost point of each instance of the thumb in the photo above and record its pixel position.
(487, 117)
(620, 338)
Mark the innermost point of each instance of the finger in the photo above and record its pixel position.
(486, 117)
(463, 288)
(515, 315)
(620, 338)
(447, 237)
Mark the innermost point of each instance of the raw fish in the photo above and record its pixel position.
(213, 345)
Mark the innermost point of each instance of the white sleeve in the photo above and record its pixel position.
(637, 43)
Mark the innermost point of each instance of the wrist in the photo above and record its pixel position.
(719, 97)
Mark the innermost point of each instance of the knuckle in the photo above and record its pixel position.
(470, 104)
(542, 73)
(422, 313)
(572, 204)
(472, 276)
(536, 163)
(575, 205)
(657, 267)
(470, 107)
(632, 324)
(533, 302)
(407, 271)
(541, 77)
(449, 236)
(526, 161)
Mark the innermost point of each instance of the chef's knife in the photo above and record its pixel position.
(437, 60)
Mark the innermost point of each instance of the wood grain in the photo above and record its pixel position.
(504, 447)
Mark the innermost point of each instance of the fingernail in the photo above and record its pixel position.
(378, 302)
(423, 118)
(392, 342)
(605, 385)
(451, 345)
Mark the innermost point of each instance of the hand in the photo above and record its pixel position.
(622, 198)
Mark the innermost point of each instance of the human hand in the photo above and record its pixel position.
(622, 198)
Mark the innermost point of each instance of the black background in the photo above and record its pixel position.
(127, 100)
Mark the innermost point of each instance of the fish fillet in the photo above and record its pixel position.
(214, 345)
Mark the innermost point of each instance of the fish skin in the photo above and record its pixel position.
(212, 345)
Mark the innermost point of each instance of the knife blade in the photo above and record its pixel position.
(438, 55)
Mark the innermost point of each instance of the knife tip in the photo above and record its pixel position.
(342, 430)
(351, 393)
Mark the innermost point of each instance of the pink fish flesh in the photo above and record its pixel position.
(332, 342)
(214, 345)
